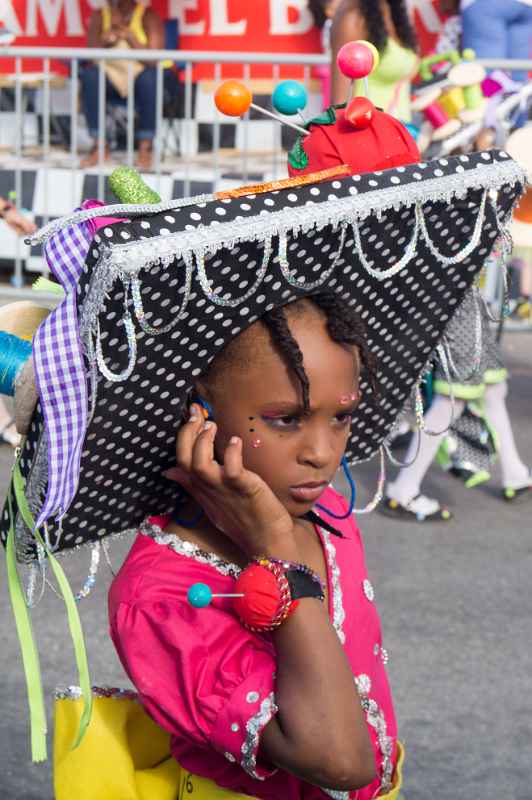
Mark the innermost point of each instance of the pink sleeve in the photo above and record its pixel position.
(217, 692)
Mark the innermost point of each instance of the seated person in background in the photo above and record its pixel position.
(123, 24)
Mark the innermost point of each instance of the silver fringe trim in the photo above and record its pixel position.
(119, 210)
(130, 258)
(254, 726)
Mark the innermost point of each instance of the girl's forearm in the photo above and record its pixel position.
(320, 733)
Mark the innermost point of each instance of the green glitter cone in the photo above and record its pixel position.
(127, 185)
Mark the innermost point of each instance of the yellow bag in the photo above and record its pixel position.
(124, 755)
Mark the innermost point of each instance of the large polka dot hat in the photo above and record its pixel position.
(161, 292)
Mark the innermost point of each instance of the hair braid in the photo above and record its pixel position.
(344, 327)
(275, 320)
(377, 34)
(403, 26)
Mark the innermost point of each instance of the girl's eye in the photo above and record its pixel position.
(283, 422)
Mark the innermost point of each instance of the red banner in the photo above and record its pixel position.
(276, 26)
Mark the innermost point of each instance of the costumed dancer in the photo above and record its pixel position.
(387, 26)
(480, 377)
(257, 329)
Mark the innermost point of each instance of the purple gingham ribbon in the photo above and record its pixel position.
(60, 372)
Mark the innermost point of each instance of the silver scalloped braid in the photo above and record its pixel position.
(163, 292)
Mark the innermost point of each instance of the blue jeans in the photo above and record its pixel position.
(499, 29)
(145, 98)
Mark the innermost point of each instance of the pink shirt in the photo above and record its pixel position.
(211, 683)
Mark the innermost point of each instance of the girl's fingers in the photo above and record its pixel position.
(233, 464)
(177, 475)
(188, 433)
(204, 466)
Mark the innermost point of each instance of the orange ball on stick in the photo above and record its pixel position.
(233, 98)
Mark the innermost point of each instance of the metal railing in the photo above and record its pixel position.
(72, 58)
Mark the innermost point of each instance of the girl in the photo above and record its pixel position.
(282, 395)
(386, 25)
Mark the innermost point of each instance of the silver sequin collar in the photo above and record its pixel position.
(189, 549)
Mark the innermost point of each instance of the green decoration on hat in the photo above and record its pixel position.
(129, 187)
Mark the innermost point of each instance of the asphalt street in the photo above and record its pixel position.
(456, 605)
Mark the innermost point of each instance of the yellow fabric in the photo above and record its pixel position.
(135, 26)
(389, 85)
(124, 755)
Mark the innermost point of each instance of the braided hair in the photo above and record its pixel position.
(377, 35)
(344, 326)
(317, 9)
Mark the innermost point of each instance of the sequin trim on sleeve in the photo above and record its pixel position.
(375, 717)
(189, 549)
(254, 726)
(337, 598)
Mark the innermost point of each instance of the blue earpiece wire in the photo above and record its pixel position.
(352, 500)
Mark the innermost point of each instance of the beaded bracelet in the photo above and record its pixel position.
(295, 566)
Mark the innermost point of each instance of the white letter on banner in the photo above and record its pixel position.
(280, 24)
(9, 18)
(179, 8)
(428, 14)
(50, 14)
(220, 25)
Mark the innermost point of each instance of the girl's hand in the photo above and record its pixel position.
(237, 502)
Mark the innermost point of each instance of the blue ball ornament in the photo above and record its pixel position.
(289, 97)
(199, 595)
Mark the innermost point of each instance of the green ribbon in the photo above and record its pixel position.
(30, 655)
(29, 652)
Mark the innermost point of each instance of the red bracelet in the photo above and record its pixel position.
(269, 590)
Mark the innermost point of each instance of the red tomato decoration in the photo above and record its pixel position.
(360, 112)
(261, 596)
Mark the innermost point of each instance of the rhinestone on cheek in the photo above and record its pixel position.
(256, 443)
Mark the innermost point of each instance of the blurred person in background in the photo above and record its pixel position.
(123, 24)
(323, 12)
(386, 24)
(23, 226)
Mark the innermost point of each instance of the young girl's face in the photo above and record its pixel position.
(258, 398)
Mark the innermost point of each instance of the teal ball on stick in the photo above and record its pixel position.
(289, 97)
(199, 595)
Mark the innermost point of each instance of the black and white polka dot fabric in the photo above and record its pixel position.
(402, 246)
